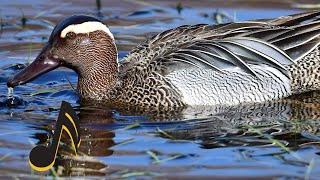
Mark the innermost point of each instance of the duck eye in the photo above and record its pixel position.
(70, 35)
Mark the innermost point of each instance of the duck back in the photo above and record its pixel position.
(232, 63)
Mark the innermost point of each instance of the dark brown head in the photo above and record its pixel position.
(82, 43)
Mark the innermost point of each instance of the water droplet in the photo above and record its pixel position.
(13, 101)
(11, 98)
(10, 93)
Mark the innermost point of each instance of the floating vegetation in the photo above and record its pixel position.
(98, 5)
(54, 173)
(140, 173)
(222, 17)
(43, 92)
(125, 142)
(135, 125)
(50, 11)
(164, 134)
(153, 155)
(23, 19)
(179, 7)
(309, 169)
(5, 156)
(69, 82)
(157, 160)
(276, 142)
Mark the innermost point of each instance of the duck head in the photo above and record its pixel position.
(82, 43)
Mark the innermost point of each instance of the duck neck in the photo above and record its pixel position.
(95, 81)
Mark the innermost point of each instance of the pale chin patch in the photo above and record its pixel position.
(86, 28)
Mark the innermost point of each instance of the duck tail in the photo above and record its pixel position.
(300, 39)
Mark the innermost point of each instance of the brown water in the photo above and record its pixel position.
(274, 140)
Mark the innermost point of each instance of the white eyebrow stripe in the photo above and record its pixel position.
(86, 28)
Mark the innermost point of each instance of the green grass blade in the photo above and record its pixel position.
(154, 156)
(274, 141)
(131, 126)
(5, 156)
(43, 92)
(142, 173)
(309, 169)
(168, 159)
(165, 134)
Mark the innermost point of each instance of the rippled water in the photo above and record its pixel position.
(269, 140)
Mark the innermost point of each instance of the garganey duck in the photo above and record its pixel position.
(233, 63)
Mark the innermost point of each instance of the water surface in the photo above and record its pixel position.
(268, 140)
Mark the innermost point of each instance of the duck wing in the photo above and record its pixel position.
(274, 42)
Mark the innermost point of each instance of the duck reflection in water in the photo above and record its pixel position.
(213, 127)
